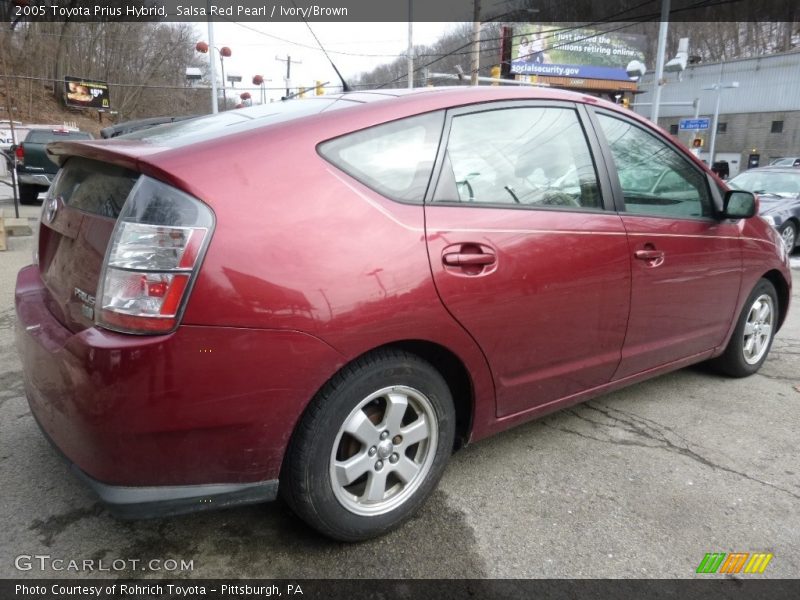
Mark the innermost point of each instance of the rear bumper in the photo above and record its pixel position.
(40, 179)
(165, 501)
(146, 502)
(143, 417)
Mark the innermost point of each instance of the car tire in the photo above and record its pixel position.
(28, 194)
(370, 447)
(789, 235)
(751, 340)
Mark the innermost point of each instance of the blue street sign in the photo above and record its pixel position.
(694, 124)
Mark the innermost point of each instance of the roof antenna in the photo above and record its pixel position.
(345, 87)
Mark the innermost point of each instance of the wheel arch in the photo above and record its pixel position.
(449, 366)
(455, 374)
(796, 222)
(782, 288)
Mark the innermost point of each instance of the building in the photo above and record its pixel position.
(759, 120)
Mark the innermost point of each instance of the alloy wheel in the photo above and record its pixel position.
(789, 236)
(383, 450)
(758, 328)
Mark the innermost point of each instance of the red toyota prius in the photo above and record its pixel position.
(325, 297)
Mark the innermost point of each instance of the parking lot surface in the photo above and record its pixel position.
(639, 483)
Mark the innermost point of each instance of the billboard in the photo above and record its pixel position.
(578, 53)
(85, 93)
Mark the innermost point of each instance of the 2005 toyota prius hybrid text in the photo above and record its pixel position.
(325, 297)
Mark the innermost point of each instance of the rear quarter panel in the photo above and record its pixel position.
(300, 245)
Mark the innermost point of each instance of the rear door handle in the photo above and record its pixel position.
(462, 259)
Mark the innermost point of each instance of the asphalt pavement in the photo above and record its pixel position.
(639, 483)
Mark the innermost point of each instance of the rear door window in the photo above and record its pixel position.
(394, 159)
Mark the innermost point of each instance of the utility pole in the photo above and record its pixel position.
(212, 70)
(410, 51)
(476, 42)
(662, 50)
(14, 140)
(717, 87)
(288, 60)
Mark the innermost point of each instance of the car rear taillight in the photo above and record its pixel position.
(20, 152)
(153, 258)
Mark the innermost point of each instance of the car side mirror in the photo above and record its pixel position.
(738, 205)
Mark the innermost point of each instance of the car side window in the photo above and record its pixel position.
(655, 179)
(394, 159)
(526, 157)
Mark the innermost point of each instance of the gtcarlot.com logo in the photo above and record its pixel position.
(45, 562)
(735, 562)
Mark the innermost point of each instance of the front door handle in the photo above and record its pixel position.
(649, 254)
(653, 258)
(463, 259)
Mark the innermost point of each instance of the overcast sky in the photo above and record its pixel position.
(354, 47)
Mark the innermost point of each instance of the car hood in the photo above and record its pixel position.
(773, 203)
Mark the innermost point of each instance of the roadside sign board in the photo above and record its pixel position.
(84, 93)
(685, 124)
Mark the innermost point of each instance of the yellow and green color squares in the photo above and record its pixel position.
(735, 562)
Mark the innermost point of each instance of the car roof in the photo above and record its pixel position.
(343, 111)
(467, 93)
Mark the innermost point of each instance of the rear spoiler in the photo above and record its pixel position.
(136, 125)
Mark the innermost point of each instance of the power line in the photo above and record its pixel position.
(147, 86)
(469, 43)
(610, 19)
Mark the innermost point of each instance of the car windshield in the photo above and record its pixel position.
(784, 184)
(783, 162)
(228, 122)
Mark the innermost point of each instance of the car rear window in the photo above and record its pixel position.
(94, 187)
(44, 136)
(395, 159)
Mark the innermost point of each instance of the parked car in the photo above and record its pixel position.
(789, 161)
(325, 297)
(778, 190)
(35, 171)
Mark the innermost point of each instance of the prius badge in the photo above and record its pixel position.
(87, 310)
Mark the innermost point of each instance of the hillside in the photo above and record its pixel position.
(39, 106)
(143, 65)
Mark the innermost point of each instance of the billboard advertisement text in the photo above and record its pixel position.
(567, 52)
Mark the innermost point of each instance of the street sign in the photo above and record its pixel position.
(685, 124)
